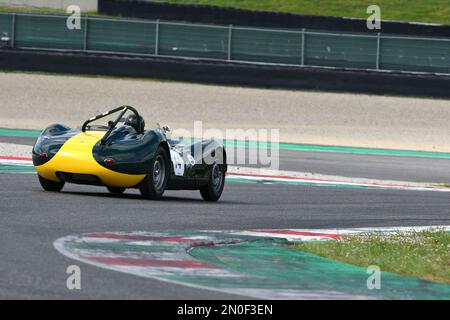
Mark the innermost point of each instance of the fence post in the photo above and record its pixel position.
(13, 30)
(377, 66)
(303, 47)
(230, 36)
(157, 37)
(86, 25)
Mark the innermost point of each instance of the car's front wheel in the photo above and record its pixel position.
(213, 190)
(49, 185)
(155, 182)
(115, 190)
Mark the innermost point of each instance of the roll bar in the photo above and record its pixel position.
(111, 124)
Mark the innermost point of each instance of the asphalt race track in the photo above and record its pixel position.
(31, 219)
(343, 164)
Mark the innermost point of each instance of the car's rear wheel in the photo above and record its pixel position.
(116, 190)
(49, 185)
(213, 190)
(155, 182)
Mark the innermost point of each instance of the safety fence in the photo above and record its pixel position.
(228, 43)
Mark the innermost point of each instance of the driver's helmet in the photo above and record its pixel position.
(137, 124)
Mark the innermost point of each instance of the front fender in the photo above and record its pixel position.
(130, 156)
(50, 141)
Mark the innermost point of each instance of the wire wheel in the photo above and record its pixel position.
(213, 189)
(217, 178)
(49, 185)
(153, 186)
(159, 173)
(116, 190)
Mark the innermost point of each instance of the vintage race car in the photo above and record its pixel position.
(127, 156)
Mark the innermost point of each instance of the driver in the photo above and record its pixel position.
(137, 123)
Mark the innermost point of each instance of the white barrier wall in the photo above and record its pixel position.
(85, 5)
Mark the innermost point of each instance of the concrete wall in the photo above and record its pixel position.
(85, 5)
(228, 73)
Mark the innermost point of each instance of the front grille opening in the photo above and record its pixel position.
(79, 178)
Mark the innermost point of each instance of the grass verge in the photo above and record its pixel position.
(431, 11)
(421, 254)
(38, 10)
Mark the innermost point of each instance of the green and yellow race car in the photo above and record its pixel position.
(128, 156)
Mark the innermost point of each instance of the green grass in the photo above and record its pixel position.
(422, 254)
(432, 11)
(20, 9)
(28, 9)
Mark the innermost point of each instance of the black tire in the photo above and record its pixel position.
(116, 190)
(49, 185)
(213, 190)
(154, 184)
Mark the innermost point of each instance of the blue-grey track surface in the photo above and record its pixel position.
(413, 169)
(31, 219)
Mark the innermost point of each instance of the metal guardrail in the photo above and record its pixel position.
(230, 43)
